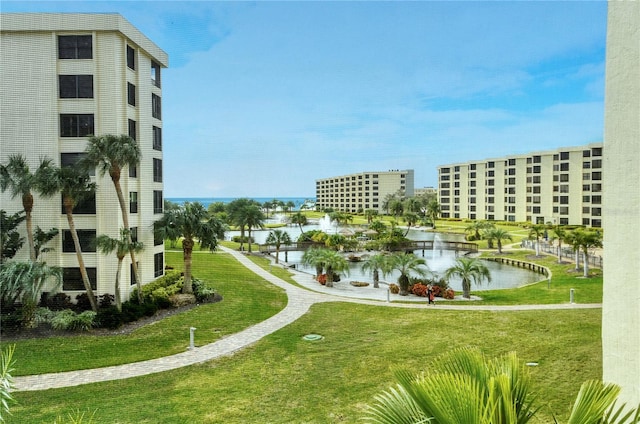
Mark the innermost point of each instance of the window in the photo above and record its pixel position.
(536, 169)
(133, 202)
(156, 106)
(86, 206)
(537, 159)
(596, 200)
(597, 163)
(157, 170)
(134, 234)
(586, 165)
(158, 264)
(70, 159)
(72, 279)
(564, 210)
(596, 187)
(155, 74)
(564, 178)
(75, 47)
(75, 86)
(131, 57)
(564, 200)
(157, 138)
(133, 171)
(596, 151)
(512, 162)
(157, 201)
(586, 153)
(564, 155)
(131, 94)
(596, 211)
(564, 166)
(87, 240)
(78, 125)
(490, 164)
(132, 274)
(157, 235)
(132, 129)
(596, 176)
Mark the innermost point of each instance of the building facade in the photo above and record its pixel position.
(562, 186)
(68, 76)
(355, 193)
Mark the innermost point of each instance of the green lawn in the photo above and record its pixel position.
(285, 379)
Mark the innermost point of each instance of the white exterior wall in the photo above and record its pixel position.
(30, 126)
(621, 304)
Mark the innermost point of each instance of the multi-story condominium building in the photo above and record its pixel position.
(562, 186)
(68, 76)
(359, 192)
(425, 191)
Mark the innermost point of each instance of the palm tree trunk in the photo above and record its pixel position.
(466, 288)
(27, 204)
(329, 277)
(585, 264)
(249, 238)
(83, 269)
(187, 249)
(117, 285)
(376, 278)
(277, 253)
(125, 220)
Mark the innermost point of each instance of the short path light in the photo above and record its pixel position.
(191, 338)
(571, 297)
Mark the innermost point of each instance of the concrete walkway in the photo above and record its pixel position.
(299, 302)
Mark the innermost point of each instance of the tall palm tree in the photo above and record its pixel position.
(468, 269)
(560, 233)
(289, 206)
(121, 246)
(536, 232)
(369, 214)
(252, 217)
(588, 240)
(574, 239)
(111, 154)
(236, 211)
(412, 204)
(75, 186)
(192, 222)
(406, 263)
(411, 219)
(278, 238)
(376, 264)
(498, 235)
(16, 177)
(475, 228)
(300, 219)
(467, 387)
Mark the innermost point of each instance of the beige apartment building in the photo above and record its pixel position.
(68, 76)
(562, 186)
(365, 190)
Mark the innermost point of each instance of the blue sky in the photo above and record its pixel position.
(262, 98)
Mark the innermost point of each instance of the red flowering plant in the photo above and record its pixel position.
(419, 289)
(322, 279)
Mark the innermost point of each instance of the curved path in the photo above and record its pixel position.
(299, 302)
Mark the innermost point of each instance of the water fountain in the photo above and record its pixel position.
(327, 225)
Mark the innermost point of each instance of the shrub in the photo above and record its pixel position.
(82, 302)
(109, 318)
(394, 288)
(419, 289)
(69, 320)
(11, 321)
(240, 239)
(202, 292)
(449, 294)
(132, 311)
(169, 279)
(106, 300)
(57, 302)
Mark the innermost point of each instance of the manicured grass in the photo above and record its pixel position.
(285, 379)
(247, 299)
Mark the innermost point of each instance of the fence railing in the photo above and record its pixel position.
(566, 252)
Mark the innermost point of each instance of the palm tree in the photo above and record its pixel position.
(191, 221)
(406, 263)
(376, 264)
(252, 217)
(17, 177)
(536, 232)
(467, 387)
(40, 238)
(468, 269)
(378, 226)
(396, 208)
(412, 204)
(277, 238)
(498, 235)
(111, 154)
(573, 238)
(236, 211)
(475, 227)
(411, 218)
(121, 246)
(588, 240)
(432, 211)
(75, 186)
(313, 257)
(300, 219)
(289, 206)
(560, 233)
(334, 263)
(369, 214)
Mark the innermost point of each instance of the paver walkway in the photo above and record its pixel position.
(299, 302)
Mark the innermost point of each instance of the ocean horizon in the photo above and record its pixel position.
(206, 201)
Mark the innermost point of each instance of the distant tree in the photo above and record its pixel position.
(475, 228)
(169, 205)
(121, 246)
(411, 219)
(560, 235)
(191, 221)
(370, 214)
(536, 232)
(334, 263)
(216, 208)
(300, 219)
(267, 207)
(252, 217)
(498, 235)
(468, 269)
(412, 204)
(10, 240)
(236, 211)
(432, 211)
(18, 178)
(289, 206)
(378, 226)
(396, 208)
(573, 238)
(278, 238)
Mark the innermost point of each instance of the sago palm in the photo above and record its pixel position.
(376, 264)
(468, 269)
(406, 263)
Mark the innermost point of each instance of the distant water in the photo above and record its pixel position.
(206, 201)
